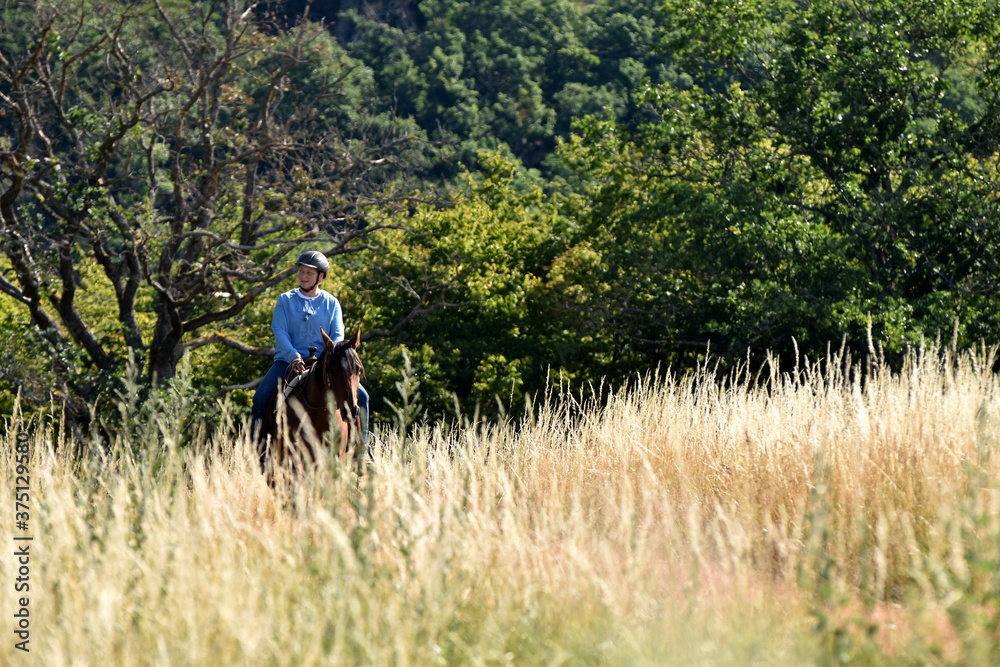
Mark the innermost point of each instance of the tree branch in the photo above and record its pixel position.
(219, 339)
(234, 387)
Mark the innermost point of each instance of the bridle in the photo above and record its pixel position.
(349, 409)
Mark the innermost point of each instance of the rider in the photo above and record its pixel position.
(299, 314)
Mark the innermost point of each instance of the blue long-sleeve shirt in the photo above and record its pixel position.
(297, 321)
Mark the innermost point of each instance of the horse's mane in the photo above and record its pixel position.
(347, 357)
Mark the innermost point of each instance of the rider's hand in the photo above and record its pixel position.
(298, 365)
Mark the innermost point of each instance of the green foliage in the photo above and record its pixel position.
(721, 178)
(410, 410)
(485, 255)
(847, 174)
(512, 76)
(21, 366)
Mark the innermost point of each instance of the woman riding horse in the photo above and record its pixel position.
(300, 317)
(324, 403)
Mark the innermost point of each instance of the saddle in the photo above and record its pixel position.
(292, 380)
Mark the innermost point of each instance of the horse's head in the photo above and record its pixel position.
(342, 370)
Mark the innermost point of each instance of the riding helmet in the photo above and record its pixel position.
(315, 260)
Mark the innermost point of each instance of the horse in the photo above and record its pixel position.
(308, 418)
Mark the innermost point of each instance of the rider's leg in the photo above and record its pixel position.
(265, 390)
(363, 404)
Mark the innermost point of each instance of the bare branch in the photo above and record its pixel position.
(234, 180)
(219, 339)
(676, 343)
(10, 289)
(235, 387)
(173, 31)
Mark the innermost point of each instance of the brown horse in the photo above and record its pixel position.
(308, 417)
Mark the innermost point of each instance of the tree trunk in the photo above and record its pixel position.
(166, 349)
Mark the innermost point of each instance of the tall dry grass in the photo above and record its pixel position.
(823, 515)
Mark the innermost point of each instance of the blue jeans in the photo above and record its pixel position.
(269, 385)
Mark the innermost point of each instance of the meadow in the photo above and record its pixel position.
(831, 513)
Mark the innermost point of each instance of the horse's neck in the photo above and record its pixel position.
(315, 388)
(310, 388)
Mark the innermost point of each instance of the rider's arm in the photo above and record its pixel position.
(283, 349)
(335, 328)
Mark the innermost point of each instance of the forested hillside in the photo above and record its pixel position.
(512, 193)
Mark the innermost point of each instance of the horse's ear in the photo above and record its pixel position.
(356, 339)
(327, 341)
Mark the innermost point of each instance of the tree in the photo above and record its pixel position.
(847, 174)
(490, 247)
(511, 75)
(185, 152)
(670, 264)
(896, 106)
